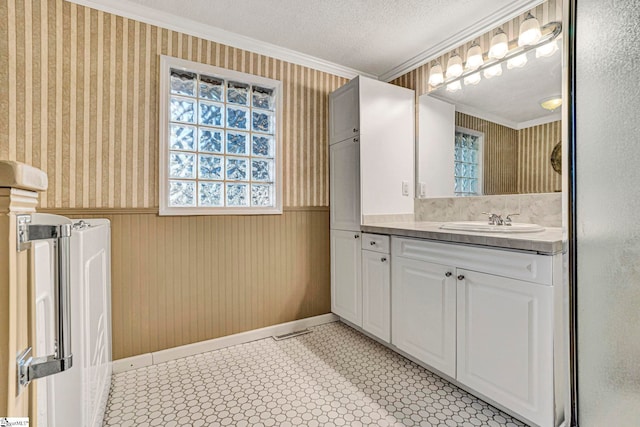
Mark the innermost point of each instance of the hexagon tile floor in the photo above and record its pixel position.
(334, 376)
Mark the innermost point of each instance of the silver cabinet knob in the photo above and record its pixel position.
(383, 259)
(461, 277)
(447, 274)
(372, 243)
(355, 139)
(356, 236)
(355, 130)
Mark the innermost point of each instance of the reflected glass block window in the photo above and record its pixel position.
(221, 143)
(468, 162)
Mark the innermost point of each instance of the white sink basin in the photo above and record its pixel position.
(483, 226)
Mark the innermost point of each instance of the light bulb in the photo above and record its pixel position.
(472, 79)
(454, 66)
(517, 61)
(435, 75)
(551, 103)
(499, 45)
(493, 71)
(452, 87)
(547, 49)
(474, 57)
(529, 31)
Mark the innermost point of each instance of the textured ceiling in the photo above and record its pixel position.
(371, 36)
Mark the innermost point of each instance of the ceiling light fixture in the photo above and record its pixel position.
(499, 45)
(474, 57)
(493, 71)
(455, 86)
(551, 103)
(454, 66)
(529, 31)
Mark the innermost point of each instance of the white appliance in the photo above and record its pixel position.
(77, 397)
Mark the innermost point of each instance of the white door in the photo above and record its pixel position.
(346, 286)
(376, 294)
(505, 342)
(344, 114)
(423, 299)
(344, 185)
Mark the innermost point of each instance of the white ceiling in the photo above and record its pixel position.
(380, 38)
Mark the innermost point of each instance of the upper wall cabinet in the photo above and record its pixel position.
(380, 117)
(344, 114)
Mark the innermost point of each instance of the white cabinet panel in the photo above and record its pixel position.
(375, 242)
(376, 294)
(344, 185)
(505, 342)
(346, 285)
(344, 112)
(424, 312)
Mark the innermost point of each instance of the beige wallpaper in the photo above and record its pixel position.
(535, 144)
(80, 92)
(79, 96)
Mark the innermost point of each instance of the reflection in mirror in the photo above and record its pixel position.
(501, 122)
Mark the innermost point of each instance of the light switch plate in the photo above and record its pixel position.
(405, 188)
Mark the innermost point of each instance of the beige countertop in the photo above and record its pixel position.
(546, 242)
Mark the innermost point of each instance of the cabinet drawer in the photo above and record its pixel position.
(375, 242)
(517, 265)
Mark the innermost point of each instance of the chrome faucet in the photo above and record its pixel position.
(495, 219)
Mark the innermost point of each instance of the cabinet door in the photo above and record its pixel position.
(344, 185)
(344, 114)
(505, 342)
(376, 294)
(423, 299)
(346, 286)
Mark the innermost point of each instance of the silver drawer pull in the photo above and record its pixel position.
(383, 259)
(447, 274)
(372, 243)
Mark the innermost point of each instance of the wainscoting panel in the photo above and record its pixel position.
(180, 280)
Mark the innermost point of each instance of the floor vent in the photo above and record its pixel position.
(291, 335)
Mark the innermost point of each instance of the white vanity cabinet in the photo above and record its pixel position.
(376, 286)
(346, 286)
(424, 312)
(484, 317)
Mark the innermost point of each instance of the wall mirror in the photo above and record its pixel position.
(493, 137)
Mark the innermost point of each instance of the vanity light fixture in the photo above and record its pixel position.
(551, 103)
(515, 57)
(529, 31)
(493, 71)
(517, 61)
(547, 49)
(454, 66)
(435, 75)
(455, 86)
(499, 45)
(474, 57)
(472, 79)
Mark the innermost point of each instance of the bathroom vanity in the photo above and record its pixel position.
(481, 309)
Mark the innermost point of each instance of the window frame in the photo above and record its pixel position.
(166, 64)
(480, 135)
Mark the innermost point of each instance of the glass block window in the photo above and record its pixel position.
(468, 162)
(220, 146)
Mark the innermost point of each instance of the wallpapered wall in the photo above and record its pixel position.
(79, 96)
(80, 90)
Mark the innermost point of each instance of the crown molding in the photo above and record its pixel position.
(471, 32)
(166, 20)
(471, 111)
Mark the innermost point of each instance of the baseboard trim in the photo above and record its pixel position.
(156, 357)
